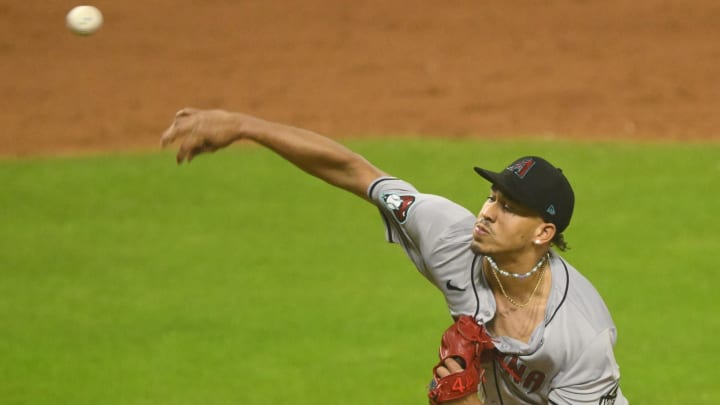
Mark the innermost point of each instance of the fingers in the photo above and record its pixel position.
(451, 367)
(179, 128)
(190, 147)
(168, 136)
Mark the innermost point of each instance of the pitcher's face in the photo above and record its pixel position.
(504, 226)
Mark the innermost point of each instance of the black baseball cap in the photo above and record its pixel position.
(534, 182)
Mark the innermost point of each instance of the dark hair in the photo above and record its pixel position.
(559, 242)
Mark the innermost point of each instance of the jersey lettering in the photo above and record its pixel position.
(534, 381)
(531, 382)
(519, 371)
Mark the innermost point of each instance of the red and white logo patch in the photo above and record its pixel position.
(399, 205)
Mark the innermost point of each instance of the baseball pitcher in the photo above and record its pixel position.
(527, 327)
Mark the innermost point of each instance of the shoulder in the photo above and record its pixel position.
(385, 184)
(585, 303)
(577, 314)
(404, 201)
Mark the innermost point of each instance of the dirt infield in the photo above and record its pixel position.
(642, 69)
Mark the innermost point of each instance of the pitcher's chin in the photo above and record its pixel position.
(477, 248)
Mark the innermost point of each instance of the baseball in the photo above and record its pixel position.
(84, 20)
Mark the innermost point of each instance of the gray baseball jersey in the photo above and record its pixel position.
(569, 358)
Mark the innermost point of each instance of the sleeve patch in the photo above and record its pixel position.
(399, 205)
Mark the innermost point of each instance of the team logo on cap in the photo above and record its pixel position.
(399, 205)
(522, 167)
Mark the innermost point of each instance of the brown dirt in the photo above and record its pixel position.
(641, 69)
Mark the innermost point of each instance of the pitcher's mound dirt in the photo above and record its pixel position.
(599, 69)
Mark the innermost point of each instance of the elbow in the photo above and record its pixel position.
(356, 175)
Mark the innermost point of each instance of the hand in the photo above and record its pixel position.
(201, 131)
(451, 366)
(458, 375)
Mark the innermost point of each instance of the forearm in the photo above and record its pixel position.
(317, 155)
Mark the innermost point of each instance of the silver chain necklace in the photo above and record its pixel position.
(504, 273)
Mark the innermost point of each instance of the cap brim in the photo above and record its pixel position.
(501, 182)
(487, 175)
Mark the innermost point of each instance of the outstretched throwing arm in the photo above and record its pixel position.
(201, 131)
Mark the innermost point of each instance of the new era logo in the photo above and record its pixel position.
(551, 209)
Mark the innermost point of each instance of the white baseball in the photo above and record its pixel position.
(84, 20)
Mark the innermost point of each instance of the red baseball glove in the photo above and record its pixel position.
(467, 343)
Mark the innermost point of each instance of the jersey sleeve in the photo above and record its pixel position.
(593, 378)
(431, 229)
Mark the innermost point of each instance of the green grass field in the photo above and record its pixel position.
(238, 279)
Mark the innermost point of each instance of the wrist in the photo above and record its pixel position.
(250, 128)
